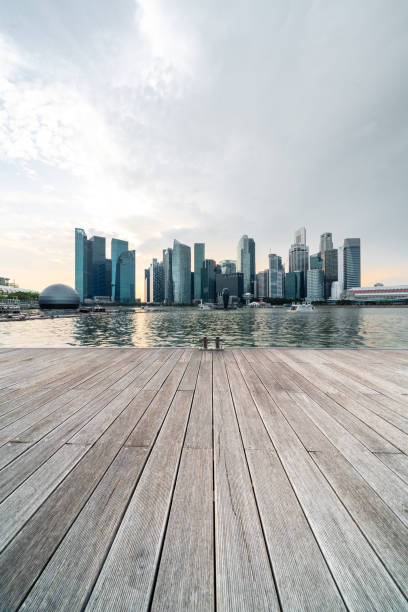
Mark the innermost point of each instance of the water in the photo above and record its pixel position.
(326, 327)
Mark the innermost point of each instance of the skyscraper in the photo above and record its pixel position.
(326, 242)
(156, 275)
(181, 269)
(262, 284)
(97, 248)
(125, 276)
(340, 269)
(299, 253)
(81, 263)
(316, 262)
(147, 285)
(315, 285)
(208, 280)
(330, 269)
(199, 256)
(117, 248)
(246, 262)
(276, 276)
(352, 263)
(168, 276)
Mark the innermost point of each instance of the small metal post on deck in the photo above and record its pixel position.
(205, 343)
(217, 343)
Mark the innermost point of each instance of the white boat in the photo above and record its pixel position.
(301, 308)
(202, 306)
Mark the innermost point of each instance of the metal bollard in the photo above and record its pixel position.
(217, 343)
(205, 343)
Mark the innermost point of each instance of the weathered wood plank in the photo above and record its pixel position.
(199, 430)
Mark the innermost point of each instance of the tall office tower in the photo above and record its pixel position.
(156, 281)
(262, 284)
(208, 280)
(315, 285)
(81, 263)
(330, 270)
(117, 248)
(108, 278)
(147, 285)
(233, 282)
(340, 269)
(97, 246)
(352, 263)
(298, 258)
(181, 269)
(125, 276)
(276, 276)
(300, 236)
(168, 276)
(326, 242)
(295, 285)
(246, 262)
(199, 256)
(316, 262)
(228, 266)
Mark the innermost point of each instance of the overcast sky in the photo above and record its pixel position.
(202, 120)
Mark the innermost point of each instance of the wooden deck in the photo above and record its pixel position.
(176, 479)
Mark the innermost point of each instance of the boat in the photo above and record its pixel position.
(98, 308)
(202, 306)
(301, 308)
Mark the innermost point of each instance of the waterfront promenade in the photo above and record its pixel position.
(180, 479)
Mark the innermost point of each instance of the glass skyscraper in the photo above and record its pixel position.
(352, 263)
(208, 280)
(125, 276)
(199, 256)
(156, 281)
(276, 276)
(181, 269)
(117, 248)
(315, 285)
(246, 262)
(81, 263)
(168, 276)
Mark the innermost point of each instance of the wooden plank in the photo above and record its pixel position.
(68, 578)
(127, 577)
(190, 376)
(361, 577)
(382, 479)
(244, 579)
(397, 462)
(186, 573)
(27, 498)
(199, 430)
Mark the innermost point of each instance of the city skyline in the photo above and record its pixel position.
(156, 121)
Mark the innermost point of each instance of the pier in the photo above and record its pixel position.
(185, 479)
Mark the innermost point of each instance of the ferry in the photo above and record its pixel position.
(202, 306)
(301, 308)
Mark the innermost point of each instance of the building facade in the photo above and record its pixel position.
(199, 256)
(330, 270)
(233, 282)
(181, 270)
(117, 248)
(147, 285)
(168, 276)
(316, 262)
(156, 275)
(125, 276)
(262, 285)
(295, 285)
(246, 262)
(276, 276)
(81, 263)
(315, 285)
(228, 266)
(377, 293)
(326, 242)
(208, 280)
(352, 263)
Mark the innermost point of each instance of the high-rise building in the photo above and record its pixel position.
(208, 280)
(340, 269)
(168, 275)
(262, 284)
(233, 282)
(300, 236)
(199, 256)
(117, 248)
(352, 263)
(246, 262)
(330, 270)
(316, 262)
(326, 242)
(228, 266)
(81, 263)
(147, 285)
(315, 285)
(97, 249)
(156, 275)
(181, 269)
(298, 258)
(295, 285)
(125, 276)
(276, 276)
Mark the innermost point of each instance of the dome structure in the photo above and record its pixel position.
(58, 296)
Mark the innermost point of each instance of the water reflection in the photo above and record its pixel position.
(326, 327)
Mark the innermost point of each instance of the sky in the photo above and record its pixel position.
(151, 120)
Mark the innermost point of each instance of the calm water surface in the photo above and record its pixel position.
(326, 327)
